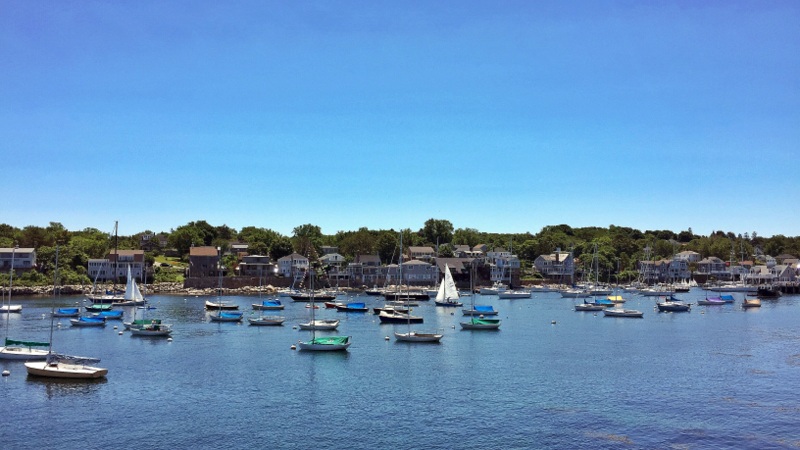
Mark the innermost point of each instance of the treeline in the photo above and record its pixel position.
(619, 248)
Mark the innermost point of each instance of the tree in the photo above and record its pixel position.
(185, 237)
(386, 246)
(467, 236)
(280, 248)
(306, 239)
(437, 231)
(446, 251)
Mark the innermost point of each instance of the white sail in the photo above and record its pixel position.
(132, 289)
(447, 290)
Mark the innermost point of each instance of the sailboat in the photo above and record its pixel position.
(448, 293)
(113, 295)
(326, 343)
(63, 366)
(266, 305)
(223, 311)
(479, 321)
(416, 336)
(148, 327)
(15, 349)
(132, 296)
(477, 310)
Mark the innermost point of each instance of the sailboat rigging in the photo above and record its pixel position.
(15, 349)
(63, 366)
(326, 343)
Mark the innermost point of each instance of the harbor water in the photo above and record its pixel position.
(550, 377)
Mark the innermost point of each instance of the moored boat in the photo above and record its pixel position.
(268, 305)
(480, 323)
(618, 312)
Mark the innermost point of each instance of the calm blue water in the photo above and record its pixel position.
(717, 377)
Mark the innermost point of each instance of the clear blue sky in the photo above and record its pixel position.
(502, 116)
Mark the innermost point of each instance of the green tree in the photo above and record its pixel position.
(437, 231)
(185, 237)
(280, 248)
(467, 236)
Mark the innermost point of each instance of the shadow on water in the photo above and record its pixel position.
(62, 387)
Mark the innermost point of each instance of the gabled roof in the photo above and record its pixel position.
(292, 257)
(421, 249)
(203, 251)
(367, 259)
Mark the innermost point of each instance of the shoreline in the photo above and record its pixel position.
(158, 288)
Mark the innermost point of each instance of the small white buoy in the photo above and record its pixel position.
(169, 339)
(6, 373)
(59, 324)
(293, 347)
(552, 322)
(453, 327)
(120, 333)
(386, 338)
(294, 327)
(115, 327)
(43, 316)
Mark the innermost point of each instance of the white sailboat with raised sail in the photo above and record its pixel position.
(63, 366)
(448, 292)
(16, 349)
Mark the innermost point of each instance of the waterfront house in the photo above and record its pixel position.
(24, 258)
(421, 253)
(115, 265)
(416, 272)
(294, 265)
(688, 256)
(150, 242)
(239, 249)
(556, 266)
(713, 267)
(332, 260)
(366, 270)
(505, 269)
(203, 261)
(257, 266)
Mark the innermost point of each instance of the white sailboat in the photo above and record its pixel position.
(132, 296)
(326, 343)
(63, 366)
(448, 293)
(149, 327)
(16, 349)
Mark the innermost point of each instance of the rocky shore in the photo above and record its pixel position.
(157, 288)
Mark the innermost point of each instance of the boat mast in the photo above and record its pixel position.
(116, 254)
(10, 287)
(53, 304)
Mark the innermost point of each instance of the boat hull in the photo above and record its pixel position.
(265, 321)
(322, 347)
(319, 325)
(626, 313)
(476, 326)
(150, 332)
(22, 353)
(413, 336)
(59, 370)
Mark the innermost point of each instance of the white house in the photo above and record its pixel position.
(24, 258)
(293, 265)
